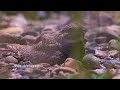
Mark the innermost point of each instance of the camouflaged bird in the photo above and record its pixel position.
(51, 47)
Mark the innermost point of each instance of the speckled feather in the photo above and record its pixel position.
(49, 48)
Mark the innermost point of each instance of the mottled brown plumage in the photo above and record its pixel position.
(51, 47)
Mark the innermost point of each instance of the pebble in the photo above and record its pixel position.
(18, 21)
(8, 38)
(90, 50)
(29, 32)
(101, 39)
(106, 19)
(102, 47)
(72, 63)
(110, 63)
(11, 59)
(30, 39)
(91, 62)
(116, 76)
(113, 53)
(12, 30)
(111, 32)
(112, 44)
(100, 54)
(99, 71)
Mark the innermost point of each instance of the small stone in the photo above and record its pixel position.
(91, 62)
(72, 63)
(11, 59)
(18, 21)
(101, 39)
(113, 53)
(12, 30)
(99, 71)
(100, 54)
(8, 38)
(106, 20)
(116, 76)
(113, 44)
(110, 63)
(28, 70)
(90, 50)
(102, 47)
(29, 32)
(111, 32)
(30, 39)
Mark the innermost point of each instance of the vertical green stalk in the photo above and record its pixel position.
(0, 16)
(79, 49)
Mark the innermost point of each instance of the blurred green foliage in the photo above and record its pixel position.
(0, 16)
(77, 16)
(31, 15)
(79, 49)
(4, 74)
(117, 17)
(107, 75)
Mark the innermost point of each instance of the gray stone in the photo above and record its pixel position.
(111, 32)
(101, 39)
(113, 53)
(100, 54)
(11, 59)
(111, 63)
(91, 62)
(99, 71)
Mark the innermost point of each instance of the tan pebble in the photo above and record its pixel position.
(72, 63)
(11, 30)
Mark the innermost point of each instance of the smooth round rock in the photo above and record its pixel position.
(11, 59)
(30, 39)
(91, 62)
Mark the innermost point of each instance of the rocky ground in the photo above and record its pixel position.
(41, 49)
